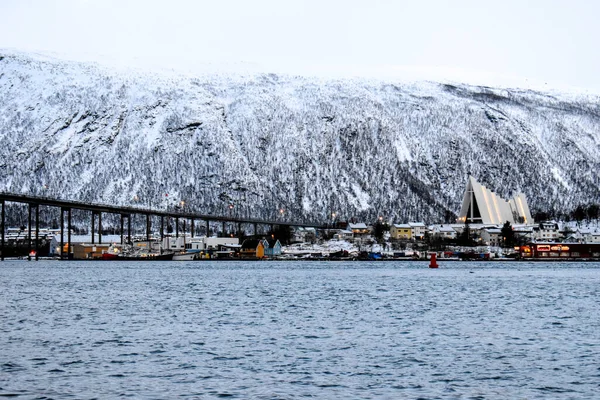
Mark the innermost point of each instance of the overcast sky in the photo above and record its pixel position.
(553, 42)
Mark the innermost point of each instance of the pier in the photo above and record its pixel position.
(97, 210)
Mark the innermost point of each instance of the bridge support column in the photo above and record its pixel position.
(192, 227)
(69, 227)
(121, 231)
(93, 227)
(99, 227)
(128, 228)
(148, 228)
(255, 228)
(2, 227)
(37, 232)
(162, 228)
(62, 233)
(207, 228)
(239, 229)
(29, 232)
(176, 227)
(223, 228)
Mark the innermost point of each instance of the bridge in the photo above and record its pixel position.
(66, 206)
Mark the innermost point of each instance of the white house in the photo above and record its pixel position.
(443, 231)
(197, 243)
(418, 230)
(343, 234)
(304, 235)
(358, 229)
(590, 235)
(547, 231)
(491, 236)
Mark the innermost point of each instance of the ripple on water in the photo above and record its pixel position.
(291, 330)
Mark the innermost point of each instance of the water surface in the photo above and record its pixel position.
(288, 330)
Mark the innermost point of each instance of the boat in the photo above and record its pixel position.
(184, 256)
(141, 257)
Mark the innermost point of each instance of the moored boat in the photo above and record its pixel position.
(184, 256)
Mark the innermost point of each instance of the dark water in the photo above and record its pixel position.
(292, 330)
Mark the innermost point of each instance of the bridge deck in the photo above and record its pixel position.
(111, 209)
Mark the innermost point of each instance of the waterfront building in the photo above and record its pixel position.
(87, 251)
(272, 247)
(482, 206)
(560, 251)
(252, 248)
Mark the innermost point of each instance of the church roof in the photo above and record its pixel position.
(481, 205)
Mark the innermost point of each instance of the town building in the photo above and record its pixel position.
(491, 236)
(343, 234)
(560, 250)
(302, 235)
(252, 248)
(401, 231)
(418, 230)
(358, 229)
(86, 251)
(272, 247)
(442, 231)
(547, 231)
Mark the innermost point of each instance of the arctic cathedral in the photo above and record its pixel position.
(482, 206)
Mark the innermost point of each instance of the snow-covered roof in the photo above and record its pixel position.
(493, 230)
(417, 224)
(360, 225)
(402, 226)
(443, 228)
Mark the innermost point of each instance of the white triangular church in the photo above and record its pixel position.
(482, 206)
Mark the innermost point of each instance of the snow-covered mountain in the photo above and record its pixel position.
(268, 144)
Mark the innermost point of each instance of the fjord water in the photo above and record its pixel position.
(286, 330)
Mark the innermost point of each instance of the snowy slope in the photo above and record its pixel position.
(307, 146)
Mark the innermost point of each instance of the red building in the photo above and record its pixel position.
(560, 251)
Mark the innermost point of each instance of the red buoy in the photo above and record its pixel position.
(433, 263)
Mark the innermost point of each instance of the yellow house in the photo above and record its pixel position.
(252, 248)
(401, 231)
